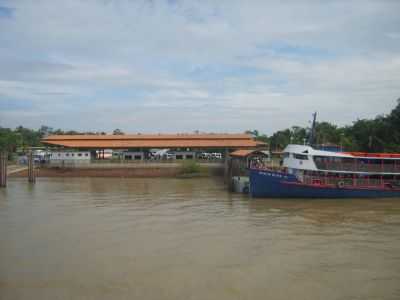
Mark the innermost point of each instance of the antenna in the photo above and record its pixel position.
(311, 138)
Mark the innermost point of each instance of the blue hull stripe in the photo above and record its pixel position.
(281, 185)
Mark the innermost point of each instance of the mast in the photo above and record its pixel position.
(311, 137)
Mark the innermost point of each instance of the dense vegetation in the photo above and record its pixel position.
(381, 134)
(190, 167)
(22, 138)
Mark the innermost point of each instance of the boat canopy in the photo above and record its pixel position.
(308, 150)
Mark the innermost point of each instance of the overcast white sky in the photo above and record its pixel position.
(180, 66)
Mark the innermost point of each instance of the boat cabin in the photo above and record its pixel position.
(349, 168)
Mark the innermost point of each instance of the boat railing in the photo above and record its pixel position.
(349, 181)
(266, 167)
(359, 167)
(338, 180)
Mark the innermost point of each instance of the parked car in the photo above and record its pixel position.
(205, 155)
(216, 155)
(170, 155)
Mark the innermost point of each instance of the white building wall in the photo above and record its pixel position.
(137, 155)
(65, 158)
(185, 154)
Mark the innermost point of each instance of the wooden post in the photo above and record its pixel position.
(3, 169)
(31, 168)
(226, 166)
(230, 167)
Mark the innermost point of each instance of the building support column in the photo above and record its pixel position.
(31, 168)
(230, 174)
(3, 169)
(226, 166)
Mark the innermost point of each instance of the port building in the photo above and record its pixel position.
(151, 141)
(139, 147)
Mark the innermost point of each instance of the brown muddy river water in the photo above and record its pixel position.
(110, 238)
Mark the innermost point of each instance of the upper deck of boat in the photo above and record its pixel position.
(304, 157)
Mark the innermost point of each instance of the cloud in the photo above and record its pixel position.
(393, 35)
(207, 65)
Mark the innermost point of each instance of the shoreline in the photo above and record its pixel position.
(138, 171)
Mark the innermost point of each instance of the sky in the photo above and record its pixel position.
(180, 66)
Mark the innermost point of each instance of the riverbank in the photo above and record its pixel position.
(14, 169)
(124, 170)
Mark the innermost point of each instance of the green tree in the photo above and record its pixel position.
(28, 137)
(117, 132)
(280, 139)
(8, 140)
(327, 133)
(298, 135)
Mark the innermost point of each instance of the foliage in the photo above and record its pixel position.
(23, 138)
(9, 140)
(190, 167)
(118, 132)
(381, 134)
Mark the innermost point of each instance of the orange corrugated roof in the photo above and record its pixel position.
(244, 152)
(241, 153)
(153, 141)
(183, 136)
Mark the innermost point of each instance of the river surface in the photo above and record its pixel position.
(111, 238)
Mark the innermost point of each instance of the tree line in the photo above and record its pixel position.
(381, 134)
(23, 138)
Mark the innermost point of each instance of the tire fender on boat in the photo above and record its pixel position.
(340, 184)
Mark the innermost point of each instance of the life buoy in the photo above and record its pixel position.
(340, 184)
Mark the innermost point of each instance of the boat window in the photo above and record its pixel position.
(300, 156)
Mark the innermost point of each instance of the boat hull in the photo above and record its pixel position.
(273, 184)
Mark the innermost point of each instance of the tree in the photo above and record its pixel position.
(327, 133)
(8, 140)
(28, 137)
(298, 135)
(117, 132)
(254, 132)
(394, 124)
(45, 131)
(280, 139)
